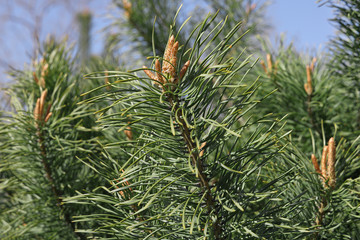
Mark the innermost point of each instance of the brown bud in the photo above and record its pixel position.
(171, 42)
(308, 74)
(331, 163)
(175, 49)
(269, 62)
(48, 116)
(323, 163)
(126, 183)
(315, 163)
(263, 65)
(172, 61)
(37, 110)
(48, 109)
(312, 65)
(115, 185)
(172, 66)
(167, 53)
(202, 149)
(42, 82)
(149, 73)
(184, 69)
(250, 8)
(127, 7)
(44, 70)
(128, 133)
(275, 67)
(35, 78)
(308, 85)
(42, 103)
(158, 71)
(253, 6)
(308, 89)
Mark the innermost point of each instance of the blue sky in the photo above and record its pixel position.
(304, 22)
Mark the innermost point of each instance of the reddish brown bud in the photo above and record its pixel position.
(175, 49)
(253, 6)
(308, 85)
(172, 66)
(128, 133)
(48, 109)
(263, 66)
(331, 163)
(323, 163)
(202, 149)
(158, 71)
(48, 116)
(184, 69)
(35, 78)
(42, 82)
(167, 54)
(37, 110)
(312, 65)
(42, 103)
(149, 73)
(269, 62)
(315, 163)
(44, 72)
(127, 7)
(275, 67)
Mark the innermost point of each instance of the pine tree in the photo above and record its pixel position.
(344, 48)
(186, 170)
(42, 137)
(202, 142)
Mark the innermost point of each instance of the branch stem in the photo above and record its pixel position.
(51, 181)
(196, 161)
(311, 115)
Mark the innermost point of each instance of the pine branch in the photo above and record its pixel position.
(169, 69)
(198, 164)
(308, 86)
(41, 117)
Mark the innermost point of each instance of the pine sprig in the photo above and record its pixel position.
(344, 48)
(183, 164)
(42, 136)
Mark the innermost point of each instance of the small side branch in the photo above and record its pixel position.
(328, 178)
(308, 86)
(196, 161)
(167, 74)
(41, 117)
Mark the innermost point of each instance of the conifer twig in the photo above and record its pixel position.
(308, 86)
(328, 177)
(169, 71)
(41, 118)
(198, 164)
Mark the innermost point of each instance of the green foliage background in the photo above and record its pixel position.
(223, 152)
